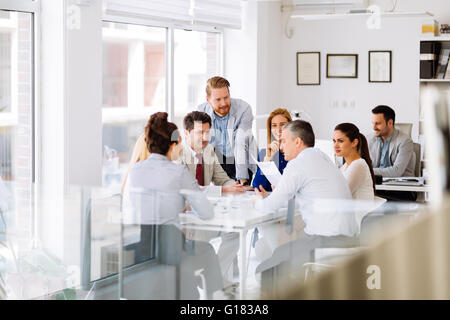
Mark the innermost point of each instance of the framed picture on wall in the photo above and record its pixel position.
(342, 66)
(308, 68)
(380, 66)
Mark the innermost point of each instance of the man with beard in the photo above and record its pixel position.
(231, 126)
(391, 151)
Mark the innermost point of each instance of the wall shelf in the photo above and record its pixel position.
(438, 38)
(435, 80)
(354, 15)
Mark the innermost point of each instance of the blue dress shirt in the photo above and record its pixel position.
(220, 138)
(384, 155)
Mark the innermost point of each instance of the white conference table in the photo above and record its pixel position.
(238, 216)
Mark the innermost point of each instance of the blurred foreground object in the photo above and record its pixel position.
(409, 261)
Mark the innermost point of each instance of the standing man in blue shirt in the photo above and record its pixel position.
(232, 123)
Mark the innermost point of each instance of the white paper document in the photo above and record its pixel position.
(270, 170)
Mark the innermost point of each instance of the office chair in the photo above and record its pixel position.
(327, 257)
(405, 128)
(382, 217)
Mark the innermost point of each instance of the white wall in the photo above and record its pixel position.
(272, 66)
(84, 98)
(269, 63)
(253, 59)
(70, 128)
(400, 35)
(240, 55)
(439, 8)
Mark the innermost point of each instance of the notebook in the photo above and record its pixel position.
(404, 181)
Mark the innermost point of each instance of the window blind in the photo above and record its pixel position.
(204, 12)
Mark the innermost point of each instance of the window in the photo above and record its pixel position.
(16, 109)
(196, 59)
(134, 83)
(134, 87)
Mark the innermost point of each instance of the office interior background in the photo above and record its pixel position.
(80, 78)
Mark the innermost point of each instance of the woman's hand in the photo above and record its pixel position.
(273, 148)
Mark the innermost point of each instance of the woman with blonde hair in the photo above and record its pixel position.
(275, 122)
(140, 153)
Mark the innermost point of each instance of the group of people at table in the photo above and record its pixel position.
(217, 157)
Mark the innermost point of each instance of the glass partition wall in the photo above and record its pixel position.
(16, 132)
(134, 87)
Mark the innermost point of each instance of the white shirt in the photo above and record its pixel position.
(321, 191)
(155, 193)
(360, 183)
(359, 179)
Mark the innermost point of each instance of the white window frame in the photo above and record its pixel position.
(10, 118)
(32, 7)
(123, 114)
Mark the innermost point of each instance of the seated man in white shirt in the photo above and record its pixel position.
(321, 194)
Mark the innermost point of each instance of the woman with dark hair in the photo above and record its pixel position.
(155, 195)
(350, 144)
(159, 173)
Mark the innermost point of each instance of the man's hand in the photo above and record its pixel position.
(234, 188)
(261, 191)
(243, 181)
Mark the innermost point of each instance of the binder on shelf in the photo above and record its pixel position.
(442, 64)
(430, 27)
(429, 51)
(447, 73)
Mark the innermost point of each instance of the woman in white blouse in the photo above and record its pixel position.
(350, 144)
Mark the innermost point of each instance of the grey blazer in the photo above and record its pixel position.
(240, 135)
(401, 155)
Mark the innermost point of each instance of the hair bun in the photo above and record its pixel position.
(158, 123)
(160, 133)
(159, 118)
(161, 115)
